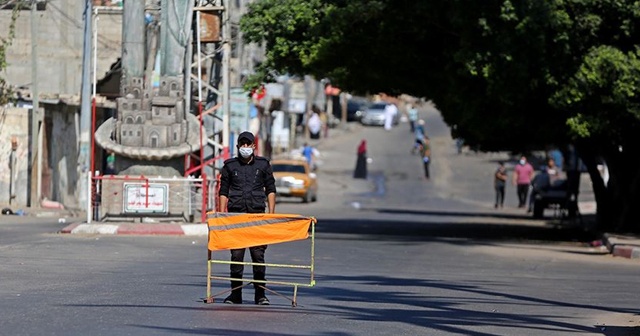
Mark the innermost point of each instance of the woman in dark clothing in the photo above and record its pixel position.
(361, 162)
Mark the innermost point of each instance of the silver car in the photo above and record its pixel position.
(374, 115)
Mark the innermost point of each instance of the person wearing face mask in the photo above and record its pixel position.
(246, 184)
(522, 175)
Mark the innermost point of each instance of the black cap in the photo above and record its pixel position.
(246, 135)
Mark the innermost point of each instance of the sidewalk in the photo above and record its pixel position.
(41, 212)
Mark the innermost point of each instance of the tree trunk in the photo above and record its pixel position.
(617, 201)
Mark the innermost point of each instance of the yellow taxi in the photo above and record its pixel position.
(294, 178)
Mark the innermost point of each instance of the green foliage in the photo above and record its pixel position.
(6, 92)
(289, 31)
(509, 74)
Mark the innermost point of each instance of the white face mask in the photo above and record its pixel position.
(522, 162)
(245, 152)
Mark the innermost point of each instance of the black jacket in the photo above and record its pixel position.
(247, 185)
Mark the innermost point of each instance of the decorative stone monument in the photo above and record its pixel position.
(152, 131)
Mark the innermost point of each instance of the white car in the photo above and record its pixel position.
(374, 115)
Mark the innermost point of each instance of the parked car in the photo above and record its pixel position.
(374, 115)
(355, 109)
(294, 178)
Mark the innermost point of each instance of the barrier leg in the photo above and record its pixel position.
(294, 302)
(209, 298)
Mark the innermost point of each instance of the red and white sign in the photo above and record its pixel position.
(150, 198)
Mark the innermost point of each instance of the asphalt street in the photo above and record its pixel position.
(394, 255)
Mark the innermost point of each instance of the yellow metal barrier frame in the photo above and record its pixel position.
(210, 298)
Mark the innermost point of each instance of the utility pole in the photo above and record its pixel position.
(84, 159)
(36, 118)
(226, 72)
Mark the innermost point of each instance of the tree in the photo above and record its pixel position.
(511, 75)
(6, 92)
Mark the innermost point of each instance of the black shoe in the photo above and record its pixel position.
(233, 299)
(263, 301)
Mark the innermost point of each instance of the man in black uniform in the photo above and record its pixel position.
(246, 183)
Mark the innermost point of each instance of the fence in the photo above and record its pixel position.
(150, 199)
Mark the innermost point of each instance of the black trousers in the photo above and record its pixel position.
(500, 195)
(523, 190)
(426, 169)
(259, 272)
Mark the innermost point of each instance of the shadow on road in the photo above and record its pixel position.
(447, 313)
(433, 225)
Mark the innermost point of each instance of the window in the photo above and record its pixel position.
(289, 168)
(154, 139)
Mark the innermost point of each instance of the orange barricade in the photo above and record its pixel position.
(239, 230)
(242, 230)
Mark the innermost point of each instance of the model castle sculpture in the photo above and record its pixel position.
(156, 128)
(152, 125)
(156, 123)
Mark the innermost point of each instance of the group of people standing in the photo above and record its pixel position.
(522, 179)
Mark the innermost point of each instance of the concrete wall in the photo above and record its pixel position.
(60, 46)
(62, 145)
(60, 155)
(14, 122)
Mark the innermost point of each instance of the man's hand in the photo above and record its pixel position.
(271, 201)
(223, 203)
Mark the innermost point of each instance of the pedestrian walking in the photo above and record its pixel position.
(309, 154)
(324, 119)
(419, 134)
(499, 184)
(314, 124)
(412, 111)
(390, 110)
(522, 175)
(246, 184)
(361, 161)
(425, 154)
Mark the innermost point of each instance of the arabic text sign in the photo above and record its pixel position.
(139, 197)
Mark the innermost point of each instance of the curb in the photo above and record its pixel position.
(626, 252)
(622, 246)
(132, 229)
